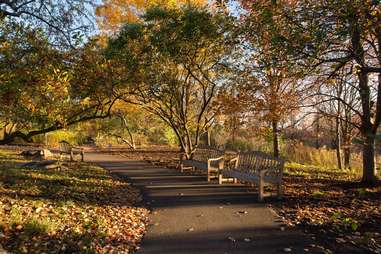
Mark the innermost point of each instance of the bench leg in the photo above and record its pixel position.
(71, 156)
(219, 178)
(82, 156)
(260, 190)
(280, 190)
(208, 177)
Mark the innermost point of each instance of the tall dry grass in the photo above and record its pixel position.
(322, 157)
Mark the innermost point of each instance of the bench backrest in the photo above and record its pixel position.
(253, 162)
(65, 147)
(204, 154)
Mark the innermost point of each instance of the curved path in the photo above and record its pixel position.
(190, 215)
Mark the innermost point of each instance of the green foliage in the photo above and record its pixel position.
(45, 88)
(341, 222)
(170, 137)
(53, 138)
(318, 194)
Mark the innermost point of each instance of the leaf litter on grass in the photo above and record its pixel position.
(80, 210)
(344, 215)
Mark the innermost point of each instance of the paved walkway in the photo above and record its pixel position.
(191, 216)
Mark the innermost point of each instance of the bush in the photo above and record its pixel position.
(53, 138)
(240, 145)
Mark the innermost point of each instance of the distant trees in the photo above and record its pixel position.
(337, 100)
(330, 35)
(267, 82)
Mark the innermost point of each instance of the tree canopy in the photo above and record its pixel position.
(175, 58)
(113, 14)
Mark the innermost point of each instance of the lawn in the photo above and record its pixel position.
(81, 209)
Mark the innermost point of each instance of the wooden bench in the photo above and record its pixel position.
(67, 148)
(209, 159)
(255, 168)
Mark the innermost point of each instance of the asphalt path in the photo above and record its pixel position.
(190, 215)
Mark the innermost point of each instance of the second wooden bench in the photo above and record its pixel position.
(209, 159)
(257, 168)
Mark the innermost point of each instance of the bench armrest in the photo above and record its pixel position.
(220, 162)
(263, 172)
(76, 148)
(216, 159)
(233, 162)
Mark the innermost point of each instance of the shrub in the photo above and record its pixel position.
(53, 138)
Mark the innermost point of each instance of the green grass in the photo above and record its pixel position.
(39, 225)
(320, 172)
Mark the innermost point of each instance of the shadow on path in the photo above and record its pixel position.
(190, 215)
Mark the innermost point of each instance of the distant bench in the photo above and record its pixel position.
(209, 159)
(255, 167)
(67, 148)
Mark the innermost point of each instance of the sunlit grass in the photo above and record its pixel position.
(313, 171)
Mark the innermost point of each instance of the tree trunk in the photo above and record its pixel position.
(347, 157)
(130, 143)
(338, 135)
(338, 147)
(132, 140)
(275, 139)
(209, 137)
(367, 128)
(347, 140)
(369, 170)
(317, 141)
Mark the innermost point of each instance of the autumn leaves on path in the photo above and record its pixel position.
(189, 215)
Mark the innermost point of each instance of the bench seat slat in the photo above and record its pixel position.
(241, 175)
(67, 148)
